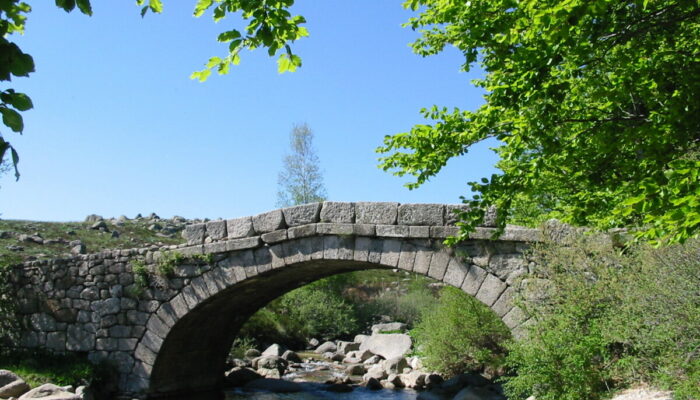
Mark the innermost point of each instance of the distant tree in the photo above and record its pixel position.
(300, 181)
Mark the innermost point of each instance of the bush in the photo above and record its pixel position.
(612, 318)
(460, 335)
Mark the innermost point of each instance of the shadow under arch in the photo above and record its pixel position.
(184, 348)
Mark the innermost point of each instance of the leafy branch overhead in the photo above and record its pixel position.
(594, 104)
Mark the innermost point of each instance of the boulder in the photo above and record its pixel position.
(313, 343)
(49, 391)
(388, 327)
(360, 338)
(395, 380)
(376, 371)
(326, 347)
(239, 376)
(273, 385)
(338, 388)
(363, 355)
(395, 365)
(11, 385)
(270, 363)
(274, 350)
(373, 360)
(477, 393)
(413, 379)
(291, 356)
(346, 347)
(355, 369)
(390, 345)
(373, 384)
(458, 382)
(252, 353)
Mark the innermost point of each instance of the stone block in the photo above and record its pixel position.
(364, 229)
(362, 245)
(421, 214)
(421, 265)
(274, 237)
(215, 248)
(441, 232)
(268, 222)
(451, 213)
(455, 274)
(335, 229)
(241, 244)
(391, 251)
(152, 341)
(508, 266)
(239, 227)
(490, 290)
(145, 355)
(338, 212)
(438, 265)
(216, 230)
(195, 233)
(302, 214)
(376, 213)
(475, 277)
(79, 339)
(504, 303)
(56, 341)
(514, 317)
(392, 231)
(421, 232)
(407, 257)
(301, 231)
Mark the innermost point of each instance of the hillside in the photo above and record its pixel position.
(32, 240)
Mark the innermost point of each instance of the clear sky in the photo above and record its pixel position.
(119, 128)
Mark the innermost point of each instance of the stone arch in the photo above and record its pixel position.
(186, 340)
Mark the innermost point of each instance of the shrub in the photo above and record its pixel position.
(460, 335)
(611, 319)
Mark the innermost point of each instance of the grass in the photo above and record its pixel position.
(132, 234)
(62, 370)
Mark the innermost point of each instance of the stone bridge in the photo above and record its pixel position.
(166, 317)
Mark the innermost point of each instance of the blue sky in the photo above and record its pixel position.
(119, 128)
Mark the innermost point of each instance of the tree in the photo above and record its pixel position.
(271, 26)
(594, 102)
(300, 181)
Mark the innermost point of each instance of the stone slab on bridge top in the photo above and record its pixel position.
(380, 214)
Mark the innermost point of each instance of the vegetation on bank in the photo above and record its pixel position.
(38, 368)
(610, 318)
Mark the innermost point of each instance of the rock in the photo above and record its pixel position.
(355, 369)
(92, 218)
(239, 376)
(333, 356)
(415, 362)
(115, 234)
(30, 239)
(85, 393)
(389, 346)
(78, 249)
(477, 393)
(326, 347)
(395, 365)
(432, 380)
(313, 343)
(376, 371)
(99, 225)
(642, 393)
(5, 235)
(14, 248)
(373, 384)
(395, 380)
(373, 360)
(251, 354)
(362, 355)
(268, 365)
(11, 385)
(360, 338)
(413, 379)
(49, 391)
(388, 385)
(458, 382)
(273, 385)
(274, 350)
(346, 347)
(388, 327)
(291, 356)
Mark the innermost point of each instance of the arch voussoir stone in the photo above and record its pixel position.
(176, 332)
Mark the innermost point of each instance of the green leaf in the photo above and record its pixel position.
(20, 101)
(12, 119)
(201, 75)
(85, 7)
(66, 5)
(155, 6)
(229, 36)
(202, 6)
(15, 161)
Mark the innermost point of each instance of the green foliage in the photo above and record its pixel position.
(9, 324)
(167, 262)
(460, 335)
(594, 103)
(38, 368)
(141, 274)
(300, 181)
(240, 345)
(611, 319)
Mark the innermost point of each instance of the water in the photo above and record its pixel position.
(311, 376)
